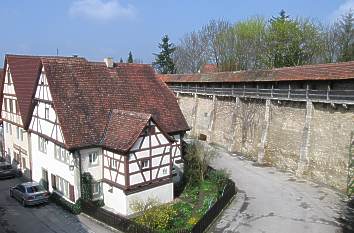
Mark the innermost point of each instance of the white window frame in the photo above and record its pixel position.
(93, 158)
(42, 144)
(61, 154)
(96, 188)
(62, 186)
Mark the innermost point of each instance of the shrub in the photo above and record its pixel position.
(86, 186)
(73, 208)
(158, 217)
(196, 164)
(218, 177)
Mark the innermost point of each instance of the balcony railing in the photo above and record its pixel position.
(332, 96)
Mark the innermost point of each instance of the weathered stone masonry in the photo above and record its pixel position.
(308, 135)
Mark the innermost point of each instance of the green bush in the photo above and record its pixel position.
(73, 208)
(158, 217)
(86, 186)
(98, 203)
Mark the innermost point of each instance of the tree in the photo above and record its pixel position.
(291, 42)
(242, 46)
(197, 160)
(163, 62)
(211, 32)
(346, 37)
(130, 58)
(121, 60)
(191, 53)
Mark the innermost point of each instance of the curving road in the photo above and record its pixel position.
(278, 202)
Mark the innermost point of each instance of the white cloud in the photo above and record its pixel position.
(343, 8)
(102, 10)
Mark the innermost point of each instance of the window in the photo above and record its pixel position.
(42, 144)
(21, 134)
(18, 133)
(10, 128)
(5, 104)
(8, 77)
(46, 113)
(17, 108)
(62, 186)
(93, 158)
(164, 171)
(149, 130)
(61, 154)
(7, 127)
(114, 163)
(96, 188)
(144, 163)
(11, 106)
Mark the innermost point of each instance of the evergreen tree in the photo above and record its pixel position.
(346, 37)
(163, 62)
(121, 60)
(130, 57)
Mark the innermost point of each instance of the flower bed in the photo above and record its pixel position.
(185, 212)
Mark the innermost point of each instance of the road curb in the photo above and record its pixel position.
(99, 223)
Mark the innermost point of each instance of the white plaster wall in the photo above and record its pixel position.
(94, 170)
(53, 166)
(115, 198)
(163, 194)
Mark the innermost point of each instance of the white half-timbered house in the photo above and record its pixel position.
(118, 122)
(53, 164)
(16, 82)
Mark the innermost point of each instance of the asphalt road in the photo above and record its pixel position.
(278, 202)
(14, 218)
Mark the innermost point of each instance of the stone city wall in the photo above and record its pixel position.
(309, 139)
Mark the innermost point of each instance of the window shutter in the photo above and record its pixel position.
(53, 181)
(71, 193)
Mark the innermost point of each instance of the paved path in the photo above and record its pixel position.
(277, 202)
(14, 218)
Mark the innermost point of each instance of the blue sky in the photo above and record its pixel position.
(99, 28)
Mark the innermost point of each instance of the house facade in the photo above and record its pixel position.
(118, 122)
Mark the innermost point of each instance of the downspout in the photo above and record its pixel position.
(29, 140)
(80, 172)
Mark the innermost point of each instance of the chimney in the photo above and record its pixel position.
(109, 62)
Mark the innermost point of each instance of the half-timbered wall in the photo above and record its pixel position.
(44, 120)
(176, 153)
(15, 137)
(114, 168)
(150, 157)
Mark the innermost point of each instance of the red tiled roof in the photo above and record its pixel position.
(85, 92)
(334, 71)
(123, 129)
(24, 71)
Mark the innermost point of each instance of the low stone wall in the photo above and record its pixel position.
(309, 139)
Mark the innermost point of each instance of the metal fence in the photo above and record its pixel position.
(126, 225)
(340, 96)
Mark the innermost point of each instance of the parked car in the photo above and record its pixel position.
(7, 170)
(29, 193)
